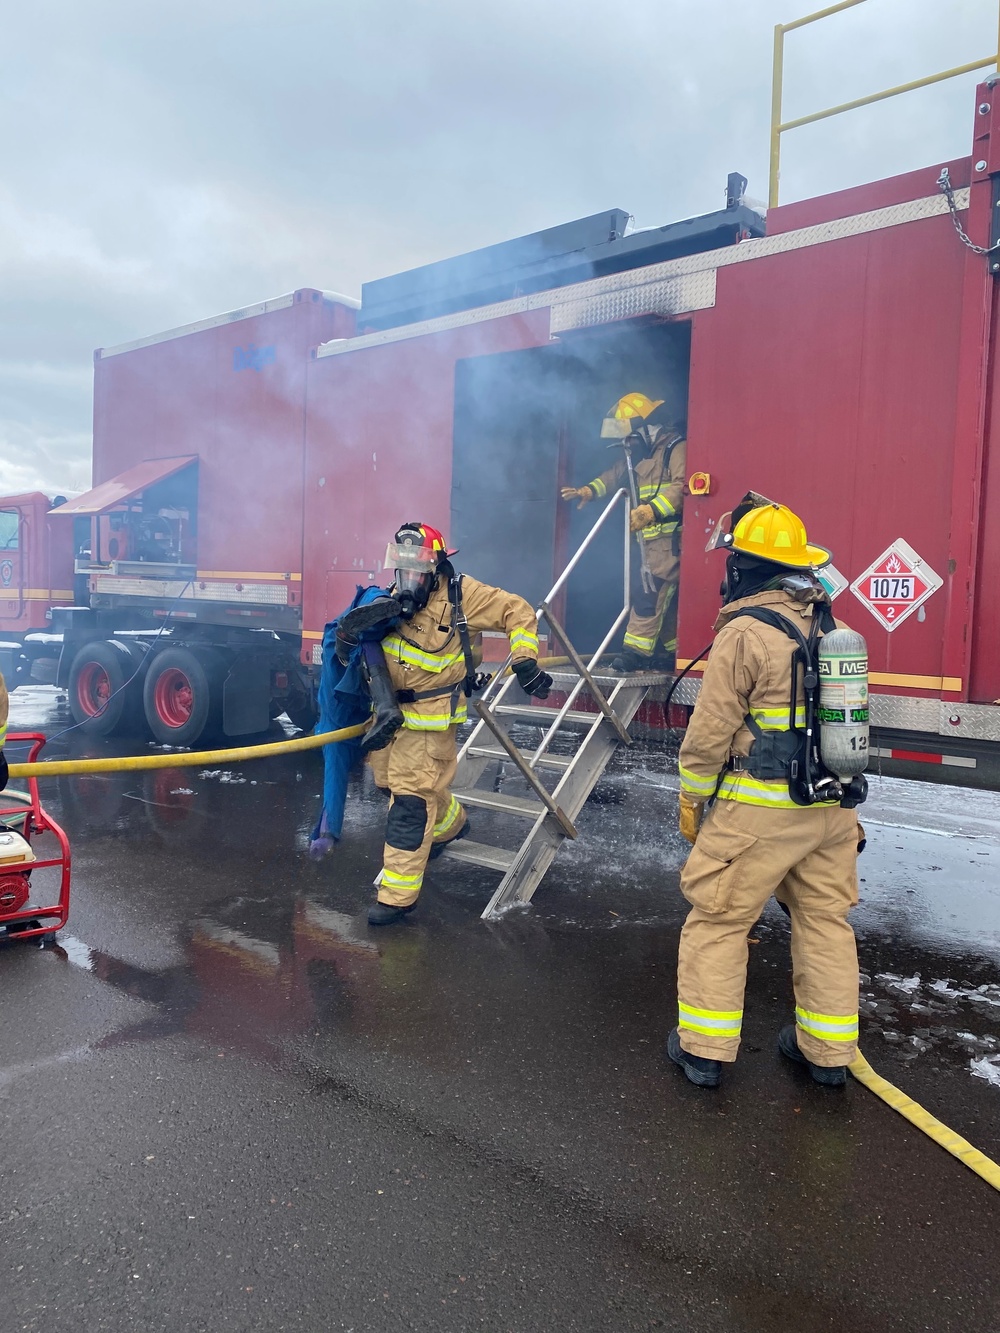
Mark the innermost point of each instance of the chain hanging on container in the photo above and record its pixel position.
(945, 186)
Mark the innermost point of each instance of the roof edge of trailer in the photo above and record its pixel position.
(671, 288)
(559, 256)
(128, 483)
(228, 317)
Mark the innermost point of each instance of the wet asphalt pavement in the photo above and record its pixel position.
(227, 1104)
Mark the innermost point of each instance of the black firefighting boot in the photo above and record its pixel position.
(831, 1076)
(368, 618)
(438, 847)
(388, 715)
(384, 914)
(664, 659)
(700, 1071)
(629, 660)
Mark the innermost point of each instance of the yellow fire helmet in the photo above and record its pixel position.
(618, 418)
(772, 532)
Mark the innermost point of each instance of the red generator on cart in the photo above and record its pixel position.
(31, 842)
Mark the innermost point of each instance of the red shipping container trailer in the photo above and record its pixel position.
(842, 363)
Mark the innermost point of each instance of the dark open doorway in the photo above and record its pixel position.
(529, 422)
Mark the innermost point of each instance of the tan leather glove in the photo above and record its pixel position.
(690, 816)
(641, 517)
(582, 493)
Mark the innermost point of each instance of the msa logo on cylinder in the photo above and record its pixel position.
(844, 666)
(253, 357)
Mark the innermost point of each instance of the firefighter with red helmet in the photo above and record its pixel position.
(432, 653)
(777, 822)
(650, 432)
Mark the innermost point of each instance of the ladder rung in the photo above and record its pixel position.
(544, 717)
(480, 854)
(546, 760)
(495, 800)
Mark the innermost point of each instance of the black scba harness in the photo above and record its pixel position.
(475, 680)
(793, 756)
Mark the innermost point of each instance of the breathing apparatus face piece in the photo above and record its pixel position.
(415, 569)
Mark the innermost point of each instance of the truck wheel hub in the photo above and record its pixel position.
(174, 697)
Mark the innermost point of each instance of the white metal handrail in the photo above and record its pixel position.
(501, 683)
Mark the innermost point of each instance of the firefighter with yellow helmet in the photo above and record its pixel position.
(657, 438)
(779, 821)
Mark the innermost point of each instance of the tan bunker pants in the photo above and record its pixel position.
(418, 769)
(806, 857)
(654, 614)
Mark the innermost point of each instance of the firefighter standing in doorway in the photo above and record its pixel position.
(427, 669)
(658, 444)
(757, 838)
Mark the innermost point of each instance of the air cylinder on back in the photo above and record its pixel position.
(843, 702)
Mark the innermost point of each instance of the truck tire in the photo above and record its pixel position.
(182, 696)
(100, 672)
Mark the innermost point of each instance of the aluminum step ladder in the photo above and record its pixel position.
(560, 768)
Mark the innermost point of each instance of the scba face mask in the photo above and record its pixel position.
(415, 569)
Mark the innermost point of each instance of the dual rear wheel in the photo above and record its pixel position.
(117, 687)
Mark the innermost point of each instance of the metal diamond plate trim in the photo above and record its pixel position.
(670, 296)
(317, 654)
(638, 290)
(975, 722)
(260, 594)
(904, 714)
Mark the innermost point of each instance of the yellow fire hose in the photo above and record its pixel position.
(932, 1127)
(946, 1138)
(182, 758)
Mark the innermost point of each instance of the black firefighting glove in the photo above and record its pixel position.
(531, 679)
(4, 771)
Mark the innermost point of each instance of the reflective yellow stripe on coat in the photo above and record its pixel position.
(415, 721)
(403, 651)
(524, 641)
(753, 791)
(695, 785)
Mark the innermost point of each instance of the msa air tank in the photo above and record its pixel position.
(843, 702)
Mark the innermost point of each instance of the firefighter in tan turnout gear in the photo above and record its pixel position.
(772, 827)
(431, 657)
(639, 425)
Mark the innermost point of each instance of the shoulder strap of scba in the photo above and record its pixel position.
(474, 680)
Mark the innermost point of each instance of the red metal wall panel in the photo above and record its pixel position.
(826, 378)
(379, 451)
(235, 395)
(863, 198)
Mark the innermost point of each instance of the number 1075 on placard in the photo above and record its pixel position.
(890, 588)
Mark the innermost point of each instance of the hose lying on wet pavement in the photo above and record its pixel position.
(946, 1138)
(922, 1119)
(57, 768)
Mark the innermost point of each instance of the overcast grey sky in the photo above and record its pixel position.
(163, 163)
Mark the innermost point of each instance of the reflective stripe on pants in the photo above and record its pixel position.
(806, 857)
(654, 615)
(420, 764)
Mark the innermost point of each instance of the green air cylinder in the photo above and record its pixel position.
(843, 702)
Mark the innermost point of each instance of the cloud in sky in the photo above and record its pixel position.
(166, 163)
